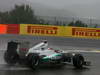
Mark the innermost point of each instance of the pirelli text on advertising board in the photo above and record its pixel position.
(86, 32)
(41, 30)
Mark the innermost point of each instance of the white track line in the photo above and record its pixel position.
(92, 51)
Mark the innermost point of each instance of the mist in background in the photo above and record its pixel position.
(74, 9)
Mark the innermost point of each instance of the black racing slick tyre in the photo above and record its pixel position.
(78, 61)
(33, 60)
(11, 58)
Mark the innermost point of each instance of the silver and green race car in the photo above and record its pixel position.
(41, 54)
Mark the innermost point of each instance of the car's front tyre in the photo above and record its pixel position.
(78, 61)
(33, 60)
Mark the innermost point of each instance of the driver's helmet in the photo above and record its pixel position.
(45, 41)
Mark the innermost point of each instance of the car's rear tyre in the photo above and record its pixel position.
(11, 58)
(78, 61)
(33, 60)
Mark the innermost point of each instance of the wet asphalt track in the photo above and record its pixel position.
(68, 43)
(94, 69)
(56, 42)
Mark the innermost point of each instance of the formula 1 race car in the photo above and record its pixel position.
(41, 54)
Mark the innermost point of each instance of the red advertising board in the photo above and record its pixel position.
(13, 28)
(3, 29)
